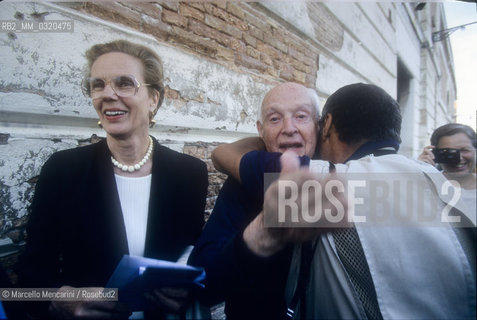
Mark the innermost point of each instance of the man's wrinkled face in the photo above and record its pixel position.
(289, 120)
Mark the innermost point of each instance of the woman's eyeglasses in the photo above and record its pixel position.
(123, 86)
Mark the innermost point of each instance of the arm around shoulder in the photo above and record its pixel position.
(226, 157)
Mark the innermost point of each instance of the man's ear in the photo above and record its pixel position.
(327, 124)
(259, 128)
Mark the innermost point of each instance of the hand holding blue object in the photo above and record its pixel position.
(135, 276)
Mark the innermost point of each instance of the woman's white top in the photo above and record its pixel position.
(134, 197)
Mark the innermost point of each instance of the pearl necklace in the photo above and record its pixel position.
(138, 165)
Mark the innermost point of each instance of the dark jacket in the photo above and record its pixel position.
(252, 287)
(76, 233)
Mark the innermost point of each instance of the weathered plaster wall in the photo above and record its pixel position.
(43, 110)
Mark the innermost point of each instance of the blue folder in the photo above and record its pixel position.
(135, 276)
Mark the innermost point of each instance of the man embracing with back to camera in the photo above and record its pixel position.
(362, 272)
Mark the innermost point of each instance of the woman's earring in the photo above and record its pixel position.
(152, 122)
(99, 124)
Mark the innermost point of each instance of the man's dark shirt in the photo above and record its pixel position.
(228, 262)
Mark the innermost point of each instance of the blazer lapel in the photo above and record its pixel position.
(109, 203)
(159, 225)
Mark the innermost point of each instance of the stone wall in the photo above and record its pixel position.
(237, 34)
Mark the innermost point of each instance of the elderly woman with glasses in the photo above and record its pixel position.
(124, 195)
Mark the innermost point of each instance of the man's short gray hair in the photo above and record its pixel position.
(314, 100)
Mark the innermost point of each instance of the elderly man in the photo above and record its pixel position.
(288, 121)
(368, 271)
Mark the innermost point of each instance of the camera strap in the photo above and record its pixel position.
(307, 252)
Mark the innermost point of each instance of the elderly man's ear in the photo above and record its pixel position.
(259, 128)
(327, 126)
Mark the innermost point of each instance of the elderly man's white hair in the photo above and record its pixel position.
(314, 100)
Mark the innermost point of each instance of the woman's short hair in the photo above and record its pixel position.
(451, 129)
(152, 63)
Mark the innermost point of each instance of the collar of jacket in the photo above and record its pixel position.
(378, 148)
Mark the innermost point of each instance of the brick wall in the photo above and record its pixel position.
(238, 34)
(203, 151)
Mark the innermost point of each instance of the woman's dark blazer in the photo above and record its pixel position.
(76, 234)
